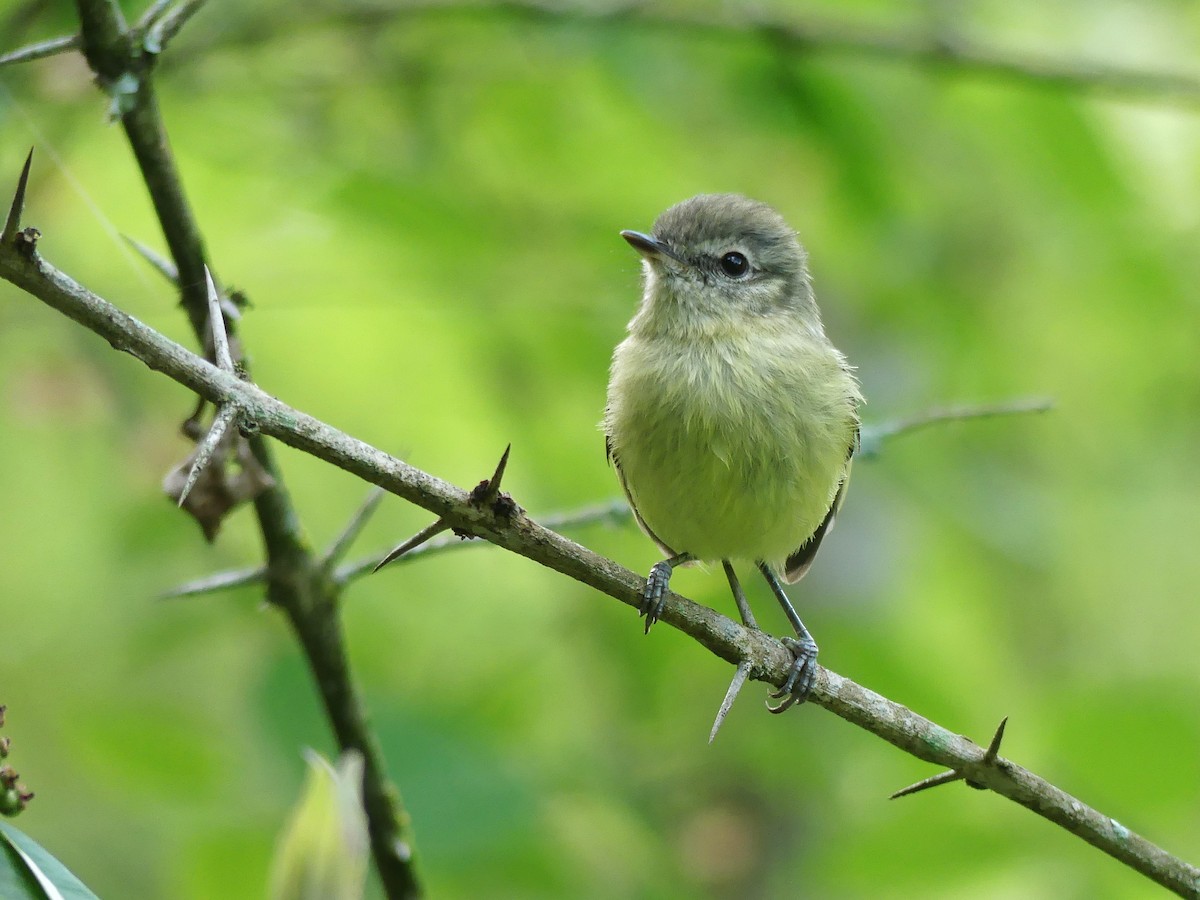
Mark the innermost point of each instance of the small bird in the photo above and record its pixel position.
(731, 419)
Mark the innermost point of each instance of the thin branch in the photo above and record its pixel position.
(873, 437)
(160, 29)
(220, 581)
(823, 36)
(613, 512)
(111, 52)
(957, 54)
(514, 531)
(164, 266)
(41, 50)
(353, 529)
(153, 13)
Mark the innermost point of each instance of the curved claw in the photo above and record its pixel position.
(654, 595)
(801, 677)
(781, 707)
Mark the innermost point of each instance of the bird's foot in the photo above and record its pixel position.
(654, 596)
(801, 677)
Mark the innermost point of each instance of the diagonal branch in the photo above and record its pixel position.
(509, 528)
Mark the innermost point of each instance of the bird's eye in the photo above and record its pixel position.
(735, 264)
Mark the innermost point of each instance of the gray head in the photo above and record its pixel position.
(721, 255)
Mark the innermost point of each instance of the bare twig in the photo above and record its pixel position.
(873, 437)
(161, 28)
(220, 581)
(41, 50)
(613, 512)
(165, 267)
(153, 13)
(770, 659)
(353, 529)
(817, 35)
(109, 46)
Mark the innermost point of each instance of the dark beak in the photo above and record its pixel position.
(650, 247)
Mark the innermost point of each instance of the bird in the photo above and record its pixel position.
(731, 419)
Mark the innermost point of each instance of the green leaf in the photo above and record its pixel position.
(29, 871)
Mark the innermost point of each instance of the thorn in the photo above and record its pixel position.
(925, 784)
(993, 749)
(415, 541)
(205, 449)
(216, 320)
(989, 759)
(13, 223)
(488, 492)
(739, 679)
(989, 755)
(489, 489)
(164, 266)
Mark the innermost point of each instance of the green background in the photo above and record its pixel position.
(423, 208)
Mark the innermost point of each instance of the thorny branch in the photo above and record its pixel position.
(508, 527)
(123, 58)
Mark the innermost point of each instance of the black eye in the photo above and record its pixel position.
(734, 264)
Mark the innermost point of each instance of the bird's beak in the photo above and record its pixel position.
(650, 247)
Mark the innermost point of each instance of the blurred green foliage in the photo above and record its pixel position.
(423, 208)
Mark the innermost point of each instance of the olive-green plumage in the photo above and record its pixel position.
(731, 418)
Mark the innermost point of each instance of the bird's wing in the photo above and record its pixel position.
(798, 563)
(616, 464)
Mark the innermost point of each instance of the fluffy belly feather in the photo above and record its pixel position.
(723, 457)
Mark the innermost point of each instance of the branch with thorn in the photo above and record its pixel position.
(486, 513)
(990, 758)
(122, 59)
